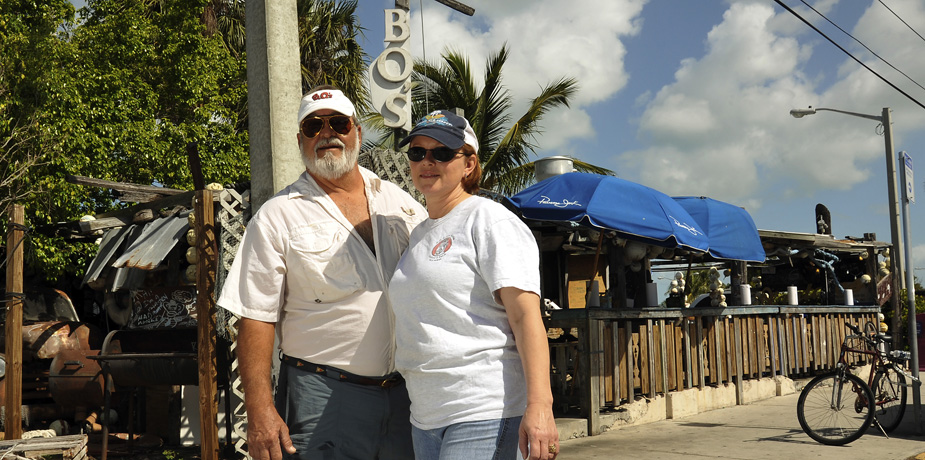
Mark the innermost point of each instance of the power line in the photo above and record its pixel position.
(862, 43)
(779, 2)
(901, 20)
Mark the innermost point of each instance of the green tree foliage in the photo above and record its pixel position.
(118, 95)
(505, 143)
(27, 31)
(329, 51)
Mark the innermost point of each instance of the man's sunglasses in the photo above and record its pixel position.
(441, 154)
(341, 124)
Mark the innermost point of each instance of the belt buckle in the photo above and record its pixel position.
(390, 381)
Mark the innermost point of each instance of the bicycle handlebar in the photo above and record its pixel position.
(871, 340)
(854, 328)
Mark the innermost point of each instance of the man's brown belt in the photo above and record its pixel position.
(387, 381)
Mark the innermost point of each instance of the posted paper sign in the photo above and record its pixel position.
(910, 182)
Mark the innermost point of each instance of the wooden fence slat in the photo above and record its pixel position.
(729, 344)
(630, 362)
(714, 364)
(617, 362)
(752, 342)
(759, 348)
(773, 346)
(678, 357)
(817, 342)
(737, 338)
(650, 359)
(783, 346)
(701, 361)
(793, 352)
(689, 371)
(663, 349)
(804, 333)
(600, 357)
(718, 351)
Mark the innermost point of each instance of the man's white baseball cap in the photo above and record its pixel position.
(331, 99)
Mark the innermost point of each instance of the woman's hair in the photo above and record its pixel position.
(471, 182)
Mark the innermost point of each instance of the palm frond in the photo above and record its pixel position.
(504, 148)
(329, 50)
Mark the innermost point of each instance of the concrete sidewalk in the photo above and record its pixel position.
(766, 429)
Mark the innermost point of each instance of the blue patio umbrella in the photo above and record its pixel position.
(730, 229)
(632, 210)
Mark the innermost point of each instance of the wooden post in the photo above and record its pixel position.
(12, 418)
(205, 318)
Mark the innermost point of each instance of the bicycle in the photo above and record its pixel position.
(838, 408)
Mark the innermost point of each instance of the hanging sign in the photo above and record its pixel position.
(390, 73)
(910, 181)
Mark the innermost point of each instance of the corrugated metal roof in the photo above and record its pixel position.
(109, 247)
(156, 241)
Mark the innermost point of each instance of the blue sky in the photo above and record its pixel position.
(693, 98)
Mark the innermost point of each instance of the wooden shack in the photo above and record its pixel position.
(617, 348)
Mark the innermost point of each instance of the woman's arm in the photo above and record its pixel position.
(538, 428)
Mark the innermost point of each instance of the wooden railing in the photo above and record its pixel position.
(622, 354)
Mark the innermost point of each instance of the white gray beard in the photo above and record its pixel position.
(331, 167)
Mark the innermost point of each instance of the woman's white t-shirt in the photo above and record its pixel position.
(454, 344)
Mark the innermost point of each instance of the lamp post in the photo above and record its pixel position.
(896, 253)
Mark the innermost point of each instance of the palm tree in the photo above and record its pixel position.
(504, 148)
(329, 50)
(226, 17)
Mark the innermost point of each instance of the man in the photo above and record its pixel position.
(313, 268)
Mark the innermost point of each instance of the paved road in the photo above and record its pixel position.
(764, 430)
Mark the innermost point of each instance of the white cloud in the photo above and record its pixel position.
(721, 128)
(547, 41)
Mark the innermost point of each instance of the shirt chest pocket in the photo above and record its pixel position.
(322, 266)
(393, 245)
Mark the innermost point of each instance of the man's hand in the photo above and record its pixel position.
(267, 435)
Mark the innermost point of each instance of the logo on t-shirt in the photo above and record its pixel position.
(441, 248)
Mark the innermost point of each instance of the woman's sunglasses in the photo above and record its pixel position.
(441, 154)
(341, 124)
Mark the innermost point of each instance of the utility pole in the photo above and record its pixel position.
(274, 90)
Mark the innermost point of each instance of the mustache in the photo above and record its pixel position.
(329, 142)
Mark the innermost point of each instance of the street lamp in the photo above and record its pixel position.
(896, 253)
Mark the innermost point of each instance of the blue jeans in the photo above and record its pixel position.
(482, 440)
(333, 420)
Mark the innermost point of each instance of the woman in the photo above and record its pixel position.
(470, 341)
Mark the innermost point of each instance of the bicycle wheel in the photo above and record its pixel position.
(835, 409)
(889, 398)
